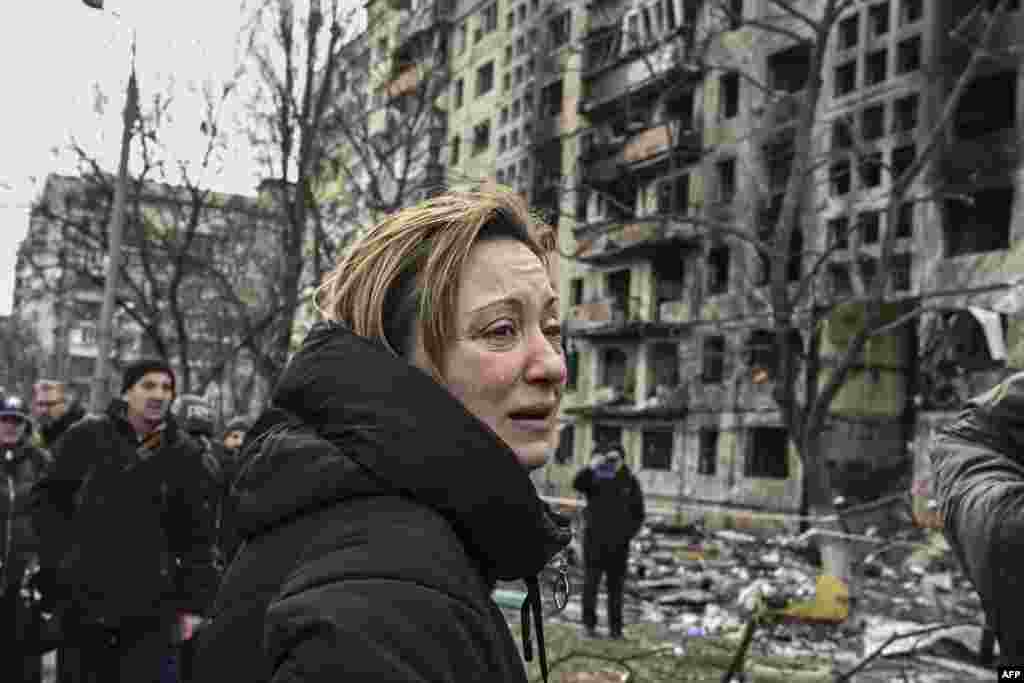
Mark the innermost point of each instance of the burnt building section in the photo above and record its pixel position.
(971, 338)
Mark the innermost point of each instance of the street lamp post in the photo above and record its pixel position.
(105, 332)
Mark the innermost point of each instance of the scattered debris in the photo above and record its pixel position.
(698, 583)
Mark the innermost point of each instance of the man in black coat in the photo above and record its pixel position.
(613, 516)
(127, 524)
(52, 411)
(979, 485)
(21, 465)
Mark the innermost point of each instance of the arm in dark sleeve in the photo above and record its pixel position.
(53, 496)
(584, 480)
(636, 507)
(981, 496)
(192, 531)
(391, 631)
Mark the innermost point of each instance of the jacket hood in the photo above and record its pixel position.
(353, 420)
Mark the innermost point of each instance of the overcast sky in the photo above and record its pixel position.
(58, 54)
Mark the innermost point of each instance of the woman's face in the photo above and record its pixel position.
(505, 364)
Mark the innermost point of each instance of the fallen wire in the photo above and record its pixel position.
(862, 664)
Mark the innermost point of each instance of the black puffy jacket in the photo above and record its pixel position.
(376, 521)
(614, 512)
(978, 464)
(125, 536)
(21, 466)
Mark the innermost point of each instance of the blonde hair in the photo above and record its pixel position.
(403, 274)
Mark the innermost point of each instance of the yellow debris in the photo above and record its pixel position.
(831, 602)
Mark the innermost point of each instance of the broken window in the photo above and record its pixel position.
(707, 457)
(902, 158)
(674, 194)
(839, 178)
(618, 289)
(878, 19)
(849, 32)
(485, 79)
(551, 99)
(876, 67)
(900, 269)
(657, 449)
(718, 269)
(481, 137)
(870, 225)
(726, 179)
(868, 270)
(613, 369)
(983, 226)
(840, 283)
(908, 55)
(779, 160)
(680, 109)
(905, 221)
(988, 104)
(761, 353)
(838, 232)
(713, 359)
(572, 366)
(455, 150)
(668, 275)
(870, 168)
(845, 80)
(904, 114)
(566, 444)
(872, 122)
(459, 88)
(795, 261)
(729, 95)
(664, 367)
(767, 453)
(841, 136)
(561, 28)
(788, 69)
(575, 291)
(911, 11)
(607, 436)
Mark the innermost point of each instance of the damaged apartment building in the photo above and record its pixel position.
(687, 115)
(634, 124)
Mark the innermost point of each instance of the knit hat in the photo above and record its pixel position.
(136, 370)
(238, 424)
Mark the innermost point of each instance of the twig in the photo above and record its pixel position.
(848, 675)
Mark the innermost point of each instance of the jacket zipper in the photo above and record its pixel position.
(8, 531)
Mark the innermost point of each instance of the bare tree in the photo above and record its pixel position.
(195, 261)
(21, 357)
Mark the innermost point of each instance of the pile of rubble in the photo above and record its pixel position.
(695, 582)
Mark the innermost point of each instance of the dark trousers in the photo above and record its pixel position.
(611, 565)
(92, 653)
(20, 660)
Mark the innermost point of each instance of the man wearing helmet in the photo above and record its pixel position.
(21, 465)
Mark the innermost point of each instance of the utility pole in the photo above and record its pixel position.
(105, 333)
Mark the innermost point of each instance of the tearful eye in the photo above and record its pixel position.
(502, 331)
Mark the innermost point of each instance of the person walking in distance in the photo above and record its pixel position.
(613, 516)
(127, 529)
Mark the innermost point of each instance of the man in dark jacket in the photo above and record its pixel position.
(613, 516)
(127, 525)
(978, 463)
(52, 411)
(22, 466)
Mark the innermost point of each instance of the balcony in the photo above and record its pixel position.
(635, 238)
(987, 156)
(605, 161)
(670, 403)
